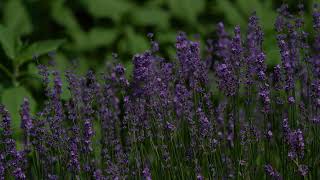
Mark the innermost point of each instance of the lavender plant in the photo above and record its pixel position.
(166, 122)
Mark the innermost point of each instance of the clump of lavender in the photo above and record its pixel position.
(167, 121)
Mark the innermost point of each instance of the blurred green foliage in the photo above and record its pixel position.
(90, 30)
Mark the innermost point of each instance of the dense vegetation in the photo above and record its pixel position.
(216, 111)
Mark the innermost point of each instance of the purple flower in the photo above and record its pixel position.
(295, 140)
(316, 17)
(269, 134)
(277, 77)
(2, 167)
(147, 174)
(303, 170)
(200, 177)
(227, 81)
(74, 164)
(98, 175)
(143, 73)
(14, 159)
(291, 100)
(272, 172)
(26, 123)
(230, 51)
(205, 125)
(192, 69)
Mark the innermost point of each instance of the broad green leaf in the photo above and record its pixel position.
(152, 16)
(247, 8)
(166, 37)
(231, 13)
(64, 16)
(187, 9)
(133, 43)
(38, 48)
(268, 16)
(101, 36)
(8, 42)
(16, 18)
(113, 9)
(12, 98)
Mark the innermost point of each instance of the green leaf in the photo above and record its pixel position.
(64, 16)
(231, 13)
(152, 16)
(133, 43)
(16, 18)
(101, 36)
(12, 98)
(248, 8)
(268, 16)
(8, 42)
(167, 36)
(113, 9)
(39, 48)
(187, 9)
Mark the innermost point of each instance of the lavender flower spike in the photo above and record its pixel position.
(272, 172)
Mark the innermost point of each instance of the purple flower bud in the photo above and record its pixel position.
(291, 100)
(303, 170)
(147, 174)
(272, 172)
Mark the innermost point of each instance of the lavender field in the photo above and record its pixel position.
(216, 111)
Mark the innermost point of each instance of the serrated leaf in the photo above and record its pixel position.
(12, 98)
(186, 9)
(101, 36)
(16, 18)
(8, 42)
(152, 16)
(108, 8)
(38, 48)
